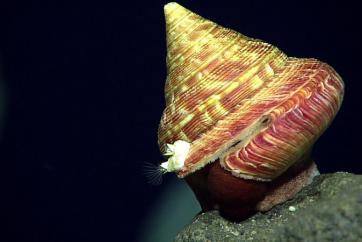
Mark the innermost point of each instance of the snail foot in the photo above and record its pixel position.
(286, 186)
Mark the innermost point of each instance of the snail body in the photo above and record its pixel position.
(241, 116)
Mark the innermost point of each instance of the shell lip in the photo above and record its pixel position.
(242, 139)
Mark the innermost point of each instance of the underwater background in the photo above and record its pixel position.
(81, 96)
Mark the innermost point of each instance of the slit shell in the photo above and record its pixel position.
(222, 84)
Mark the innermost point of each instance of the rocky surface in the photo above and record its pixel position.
(330, 209)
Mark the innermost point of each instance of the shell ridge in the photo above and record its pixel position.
(291, 124)
(202, 66)
(259, 65)
(281, 104)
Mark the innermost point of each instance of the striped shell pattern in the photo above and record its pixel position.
(241, 101)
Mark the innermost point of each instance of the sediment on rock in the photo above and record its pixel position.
(329, 209)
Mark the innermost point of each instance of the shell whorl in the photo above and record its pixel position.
(241, 100)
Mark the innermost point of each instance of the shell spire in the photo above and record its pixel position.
(240, 100)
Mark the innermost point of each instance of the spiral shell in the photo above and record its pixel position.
(241, 100)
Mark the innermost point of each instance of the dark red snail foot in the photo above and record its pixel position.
(237, 199)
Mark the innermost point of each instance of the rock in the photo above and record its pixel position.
(329, 209)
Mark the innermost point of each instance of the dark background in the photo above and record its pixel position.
(84, 86)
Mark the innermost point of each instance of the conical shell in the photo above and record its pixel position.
(241, 100)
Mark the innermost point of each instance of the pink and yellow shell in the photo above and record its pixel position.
(241, 101)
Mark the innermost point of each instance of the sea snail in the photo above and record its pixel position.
(241, 116)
